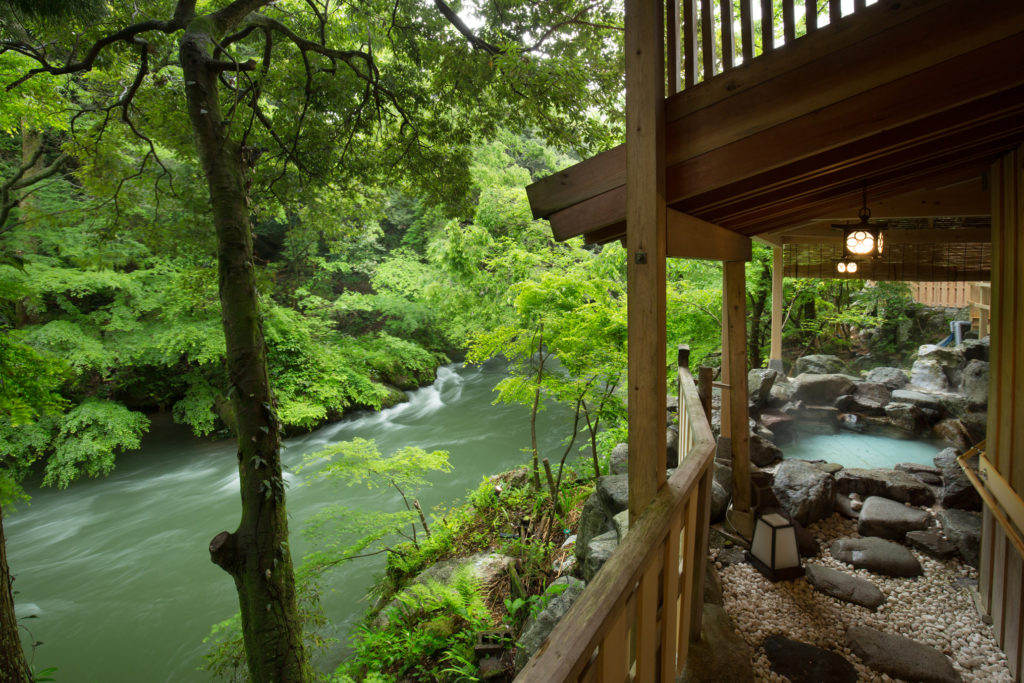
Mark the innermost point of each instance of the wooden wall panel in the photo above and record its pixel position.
(1001, 582)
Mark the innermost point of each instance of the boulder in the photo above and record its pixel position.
(892, 378)
(899, 656)
(953, 432)
(538, 628)
(870, 398)
(806, 493)
(957, 490)
(620, 459)
(876, 555)
(672, 447)
(933, 543)
(712, 584)
(975, 349)
(819, 364)
(929, 374)
(781, 391)
(963, 529)
(974, 383)
(621, 524)
(852, 422)
(892, 484)
(759, 386)
(599, 550)
(844, 506)
(888, 519)
(843, 586)
(613, 490)
(720, 655)
(949, 358)
(803, 663)
(762, 451)
(920, 399)
(907, 416)
(821, 389)
(719, 502)
(594, 521)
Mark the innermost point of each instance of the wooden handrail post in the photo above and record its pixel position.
(775, 355)
(705, 379)
(735, 308)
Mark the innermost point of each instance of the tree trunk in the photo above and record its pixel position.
(13, 665)
(256, 554)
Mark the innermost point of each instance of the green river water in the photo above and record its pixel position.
(117, 569)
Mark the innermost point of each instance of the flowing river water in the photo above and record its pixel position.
(117, 571)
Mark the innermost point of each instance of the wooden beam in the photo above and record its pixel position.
(689, 237)
(775, 354)
(645, 246)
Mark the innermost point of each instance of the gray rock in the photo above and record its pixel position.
(827, 467)
(781, 392)
(949, 358)
(806, 493)
(803, 663)
(975, 349)
(671, 447)
(932, 542)
(917, 398)
(974, 383)
(594, 521)
(613, 490)
(892, 484)
(957, 490)
(806, 543)
(621, 524)
(821, 389)
(876, 555)
(888, 519)
(723, 475)
(892, 378)
(900, 657)
(599, 550)
(929, 374)
(719, 502)
(759, 386)
(844, 586)
(852, 422)
(537, 629)
(870, 398)
(819, 364)
(731, 556)
(620, 458)
(963, 529)
(720, 655)
(844, 506)
(763, 452)
(907, 416)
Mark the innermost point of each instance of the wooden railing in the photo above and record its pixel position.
(635, 620)
(710, 44)
(981, 307)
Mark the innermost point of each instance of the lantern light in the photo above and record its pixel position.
(773, 550)
(863, 239)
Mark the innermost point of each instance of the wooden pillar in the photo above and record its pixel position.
(645, 246)
(775, 355)
(735, 308)
(1001, 574)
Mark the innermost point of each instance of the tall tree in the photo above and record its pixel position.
(278, 95)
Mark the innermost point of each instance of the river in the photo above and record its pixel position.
(117, 568)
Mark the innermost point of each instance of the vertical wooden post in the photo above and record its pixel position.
(645, 246)
(673, 48)
(775, 355)
(734, 293)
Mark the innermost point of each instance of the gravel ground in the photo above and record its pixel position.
(935, 609)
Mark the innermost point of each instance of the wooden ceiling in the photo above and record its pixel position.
(912, 98)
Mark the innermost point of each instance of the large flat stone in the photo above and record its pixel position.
(803, 663)
(933, 543)
(892, 484)
(843, 586)
(821, 389)
(876, 555)
(900, 657)
(888, 519)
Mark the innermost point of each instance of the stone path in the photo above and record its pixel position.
(934, 610)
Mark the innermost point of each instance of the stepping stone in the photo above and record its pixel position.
(803, 663)
(893, 484)
(876, 555)
(933, 543)
(844, 586)
(888, 519)
(900, 657)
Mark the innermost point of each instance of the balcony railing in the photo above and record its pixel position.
(716, 35)
(635, 620)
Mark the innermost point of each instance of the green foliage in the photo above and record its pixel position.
(90, 435)
(429, 636)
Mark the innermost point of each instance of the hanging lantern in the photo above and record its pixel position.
(862, 240)
(847, 267)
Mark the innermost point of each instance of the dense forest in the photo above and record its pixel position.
(258, 216)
